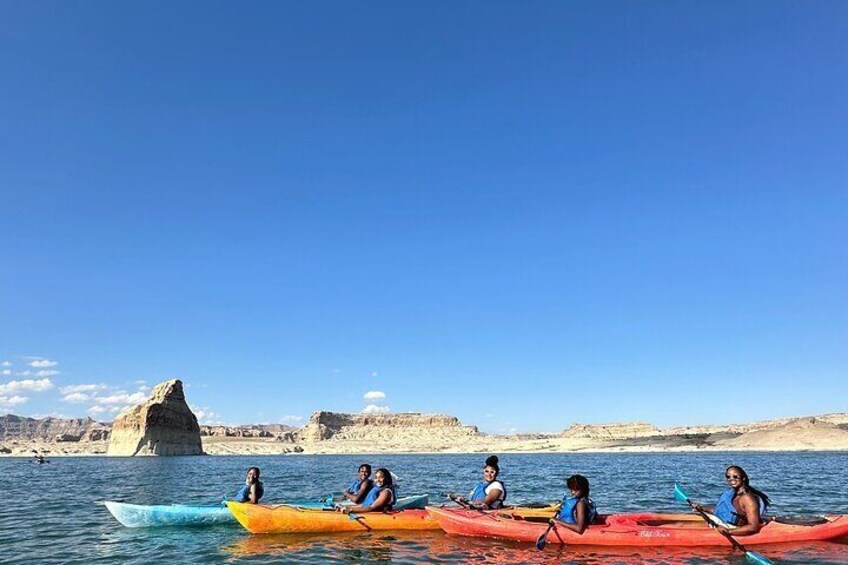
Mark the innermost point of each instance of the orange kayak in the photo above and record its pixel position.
(263, 519)
(637, 530)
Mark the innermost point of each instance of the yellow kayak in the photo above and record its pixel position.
(284, 519)
(262, 519)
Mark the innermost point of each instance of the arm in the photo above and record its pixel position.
(252, 498)
(382, 501)
(751, 511)
(360, 494)
(490, 499)
(580, 518)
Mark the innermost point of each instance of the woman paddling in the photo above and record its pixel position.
(379, 499)
(253, 488)
(360, 488)
(577, 510)
(740, 507)
(490, 493)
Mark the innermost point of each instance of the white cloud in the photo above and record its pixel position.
(80, 388)
(27, 384)
(374, 409)
(6, 372)
(206, 416)
(374, 395)
(14, 400)
(140, 382)
(374, 373)
(122, 398)
(96, 410)
(46, 373)
(6, 364)
(41, 363)
(290, 419)
(76, 397)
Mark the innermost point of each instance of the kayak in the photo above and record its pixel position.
(265, 519)
(403, 503)
(637, 530)
(282, 519)
(140, 516)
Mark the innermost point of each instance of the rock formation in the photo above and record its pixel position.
(611, 431)
(385, 432)
(162, 425)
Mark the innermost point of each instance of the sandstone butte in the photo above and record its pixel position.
(165, 425)
(162, 425)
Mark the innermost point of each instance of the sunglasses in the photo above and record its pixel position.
(732, 477)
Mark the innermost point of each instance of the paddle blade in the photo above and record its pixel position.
(680, 495)
(543, 539)
(755, 557)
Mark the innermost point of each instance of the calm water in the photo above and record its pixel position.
(51, 512)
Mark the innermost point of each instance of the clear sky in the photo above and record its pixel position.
(521, 214)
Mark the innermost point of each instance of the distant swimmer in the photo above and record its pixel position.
(253, 488)
(740, 507)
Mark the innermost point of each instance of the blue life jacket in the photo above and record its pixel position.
(569, 505)
(374, 493)
(244, 494)
(726, 512)
(479, 493)
(355, 485)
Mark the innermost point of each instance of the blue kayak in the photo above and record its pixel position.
(143, 516)
(140, 516)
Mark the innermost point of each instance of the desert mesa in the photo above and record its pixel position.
(165, 425)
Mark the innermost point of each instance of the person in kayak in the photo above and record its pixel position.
(740, 507)
(381, 498)
(253, 488)
(360, 488)
(490, 493)
(577, 510)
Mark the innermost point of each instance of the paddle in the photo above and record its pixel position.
(360, 519)
(542, 540)
(462, 502)
(751, 555)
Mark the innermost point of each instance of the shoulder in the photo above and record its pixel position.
(495, 485)
(748, 498)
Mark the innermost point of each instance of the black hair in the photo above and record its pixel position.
(747, 483)
(492, 461)
(578, 482)
(387, 477)
(367, 467)
(254, 469)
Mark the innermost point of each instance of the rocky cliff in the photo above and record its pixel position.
(163, 425)
(386, 432)
(52, 429)
(611, 431)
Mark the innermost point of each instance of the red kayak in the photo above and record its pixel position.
(636, 530)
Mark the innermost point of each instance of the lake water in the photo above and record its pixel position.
(52, 513)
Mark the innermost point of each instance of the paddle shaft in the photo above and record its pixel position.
(709, 520)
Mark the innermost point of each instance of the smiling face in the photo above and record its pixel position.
(251, 476)
(379, 478)
(489, 474)
(735, 477)
(363, 473)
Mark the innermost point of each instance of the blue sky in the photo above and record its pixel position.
(525, 215)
